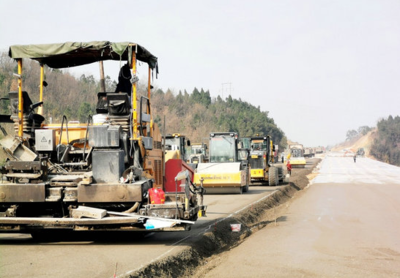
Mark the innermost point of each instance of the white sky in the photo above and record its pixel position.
(319, 67)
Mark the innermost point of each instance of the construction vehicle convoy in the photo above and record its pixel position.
(227, 170)
(296, 156)
(261, 161)
(103, 176)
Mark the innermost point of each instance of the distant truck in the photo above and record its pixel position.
(319, 149)
(308, 152)
(312, 151)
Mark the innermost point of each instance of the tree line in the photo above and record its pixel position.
(386, 145)
(194, 114)
(197, 114)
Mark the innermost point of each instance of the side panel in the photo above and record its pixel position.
(110, 193)
(258, 174)
(22, 193)
(172, 168)
(220, 175)
(108, 165)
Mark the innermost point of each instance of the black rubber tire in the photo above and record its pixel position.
(281, 175)
(277, 177)
(273, 179)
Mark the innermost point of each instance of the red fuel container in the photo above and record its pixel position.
(157, 196)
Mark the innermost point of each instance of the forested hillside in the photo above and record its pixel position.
(386, 146)
(197, 114)
(194, 114)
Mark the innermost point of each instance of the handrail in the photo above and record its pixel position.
(62, 127)
(140, 111)
(87, 131)
(61, 132)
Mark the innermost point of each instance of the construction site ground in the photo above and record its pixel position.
(173, 254)
(344, 225)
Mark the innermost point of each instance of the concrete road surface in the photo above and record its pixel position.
(346, 224)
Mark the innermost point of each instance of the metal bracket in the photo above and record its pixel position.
(134, 79)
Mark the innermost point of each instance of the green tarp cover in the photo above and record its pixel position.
(71, 54)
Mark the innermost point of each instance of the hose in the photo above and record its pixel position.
(133, 208)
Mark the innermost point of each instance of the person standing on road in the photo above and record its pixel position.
(283, 157)
(355, 157)
(289, 167)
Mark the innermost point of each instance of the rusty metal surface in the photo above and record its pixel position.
(54, 194)
(23, 175)
(64, 183)
(12, 192)
(70, 194)
(115, 192)
(24, 165)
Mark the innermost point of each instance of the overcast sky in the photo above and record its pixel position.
(319, 67)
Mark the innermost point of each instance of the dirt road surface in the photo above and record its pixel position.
(346, 224)
(105, 256)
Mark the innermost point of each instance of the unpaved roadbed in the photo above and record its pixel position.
(219, 238)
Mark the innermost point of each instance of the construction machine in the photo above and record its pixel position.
(176, 158)
(312, 151)
(261, 161)
(296, 156)
(103, 175)
(175, 146)
(308, 152)
(360, 152)
(198, 153)
(227, 170)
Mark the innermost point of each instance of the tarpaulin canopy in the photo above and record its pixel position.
(71, 54)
